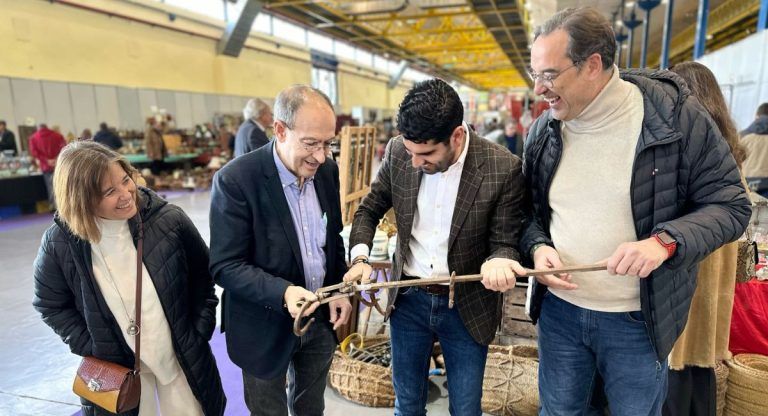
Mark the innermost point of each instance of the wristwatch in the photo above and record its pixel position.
(666, 241)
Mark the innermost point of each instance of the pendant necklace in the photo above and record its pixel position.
(133, 329)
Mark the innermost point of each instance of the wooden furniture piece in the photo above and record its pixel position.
(358, 145)
(514, 322)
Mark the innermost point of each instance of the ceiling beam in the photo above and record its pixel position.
(395, 17)
(237, 31)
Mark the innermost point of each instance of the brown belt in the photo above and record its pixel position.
(439, 290)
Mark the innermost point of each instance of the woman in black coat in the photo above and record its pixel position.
(85, 284)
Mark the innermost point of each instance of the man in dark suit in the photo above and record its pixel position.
(275, 222)
(7, 139)
(252, 133)
(107, 137)
(458, 202)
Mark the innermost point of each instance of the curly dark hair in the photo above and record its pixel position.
(430, 111)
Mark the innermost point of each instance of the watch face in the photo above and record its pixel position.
(666, 238)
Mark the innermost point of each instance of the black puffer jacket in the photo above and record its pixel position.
(176, 257)
(684, 181)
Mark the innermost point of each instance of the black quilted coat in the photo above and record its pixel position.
(684, 181)
(176, 257)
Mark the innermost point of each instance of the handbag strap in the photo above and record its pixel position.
(139, 267)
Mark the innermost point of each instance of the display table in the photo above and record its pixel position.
(141, 158)
(22, 190)
(749, 323)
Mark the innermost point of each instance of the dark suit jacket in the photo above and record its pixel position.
(486, 221)
(255, 256)
(249, 138)
(8, 142)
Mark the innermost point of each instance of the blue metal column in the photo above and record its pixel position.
(762, 19)
(701, 29)
(621, 36)
(631, 24)
(646, 5)
(664, 62)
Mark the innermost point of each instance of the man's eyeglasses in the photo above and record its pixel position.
(547, 79)
(313, 146)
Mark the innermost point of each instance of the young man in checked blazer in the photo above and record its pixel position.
(458, 202)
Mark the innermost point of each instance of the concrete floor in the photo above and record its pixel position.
(36, 368)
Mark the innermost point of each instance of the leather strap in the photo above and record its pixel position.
(139, 267)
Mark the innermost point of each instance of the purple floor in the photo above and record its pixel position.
(231, 377)
(24, 221)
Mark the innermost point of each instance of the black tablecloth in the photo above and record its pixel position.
(22, 190)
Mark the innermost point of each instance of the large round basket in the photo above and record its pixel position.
(721, 375)
(510, 384)
(363, 383)
(747, 393)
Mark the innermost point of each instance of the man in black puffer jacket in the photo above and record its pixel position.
(627, 169)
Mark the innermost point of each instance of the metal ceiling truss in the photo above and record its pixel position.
(731, 21)
(482, 44)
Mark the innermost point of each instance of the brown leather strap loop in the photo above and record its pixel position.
(139, 267)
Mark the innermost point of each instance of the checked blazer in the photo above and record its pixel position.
(486, 223)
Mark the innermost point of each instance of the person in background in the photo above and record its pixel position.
(252, 134)
(85, 283)
(45, 145)
(86, 135)
(275, 223)
(511, 138)
(107, 137)
(755, 140)
(154, 146)
(627, 170)
(7, 139)
(495, 134)
(704, 342)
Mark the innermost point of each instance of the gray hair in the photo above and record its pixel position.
(254, 108)
(289, 101)
(588, 32)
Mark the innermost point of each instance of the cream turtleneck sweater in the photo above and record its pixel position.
(114, 267)
(590, 195)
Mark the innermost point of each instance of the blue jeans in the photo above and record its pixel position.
(574, 343)
(417, 320)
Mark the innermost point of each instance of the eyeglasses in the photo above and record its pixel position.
(547, 79)
(313, 146)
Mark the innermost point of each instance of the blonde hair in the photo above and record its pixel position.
(80, 168)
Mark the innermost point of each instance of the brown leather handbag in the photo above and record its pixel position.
(108, 385)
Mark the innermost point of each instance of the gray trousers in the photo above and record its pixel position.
(306, 377)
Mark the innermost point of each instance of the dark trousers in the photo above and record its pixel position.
(692, 392)
(48, 179)
(306, 379)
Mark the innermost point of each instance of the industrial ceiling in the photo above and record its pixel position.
(485, 43)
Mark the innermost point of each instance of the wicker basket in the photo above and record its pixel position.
(721, 375)
(510, 384)
(747, 381)
(362, 383)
